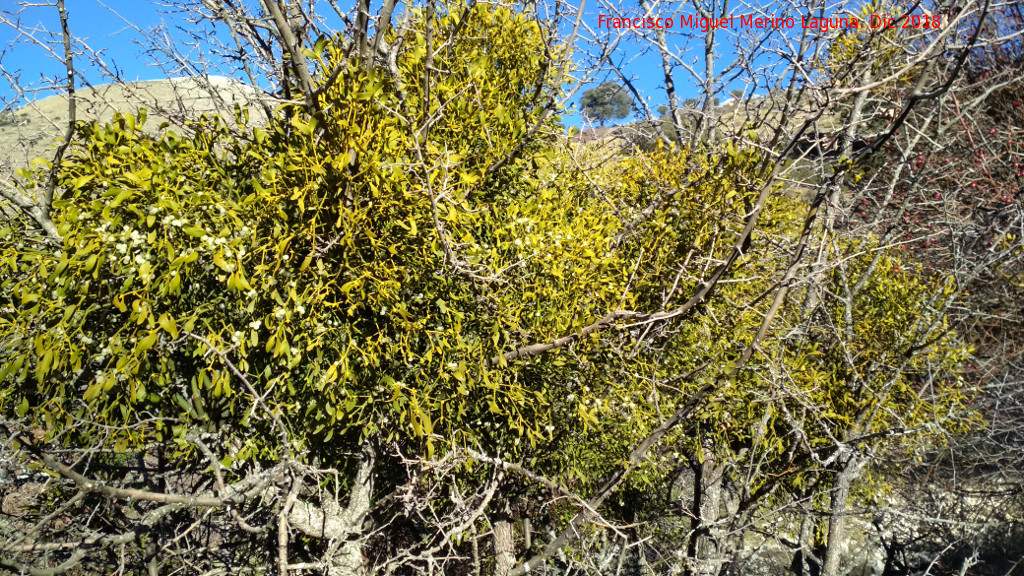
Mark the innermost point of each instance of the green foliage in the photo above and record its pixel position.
(607, 101)
(845, 60)
(362, 269)
(311, 256)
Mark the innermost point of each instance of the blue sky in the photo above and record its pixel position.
(110, 29)
(102, 27)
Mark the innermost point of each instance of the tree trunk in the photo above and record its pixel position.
(329, 521)
(709, 114)
(667, 76)
(504, 548)
(348, 561)
(707, 500)
(837, 517)
(805, 563)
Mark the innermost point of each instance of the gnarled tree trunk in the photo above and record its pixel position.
(330, 521)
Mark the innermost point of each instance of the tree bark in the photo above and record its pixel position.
(707, 499)
(837, 517)
(504, 548)
(330, 521)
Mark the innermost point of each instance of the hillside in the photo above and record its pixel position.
(32, 131)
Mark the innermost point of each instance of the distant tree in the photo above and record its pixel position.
(609, 100)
